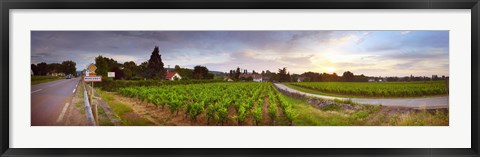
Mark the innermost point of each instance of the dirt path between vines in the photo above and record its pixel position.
(428, 103)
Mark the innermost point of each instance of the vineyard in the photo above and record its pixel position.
(114, 85)
(384, 89)
(217, 101)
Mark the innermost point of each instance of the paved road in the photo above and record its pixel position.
(429, 102)
(50, 101)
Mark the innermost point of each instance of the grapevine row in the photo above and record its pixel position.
(215, 100)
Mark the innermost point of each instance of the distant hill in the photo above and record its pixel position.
(217, 73)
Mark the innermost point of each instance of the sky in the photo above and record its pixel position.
(372, 53)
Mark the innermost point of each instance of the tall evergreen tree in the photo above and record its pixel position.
(155, 68)
(237, 73)
(283, 75)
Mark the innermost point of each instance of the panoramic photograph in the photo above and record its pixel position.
(240, 78)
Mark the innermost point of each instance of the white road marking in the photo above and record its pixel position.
(74, 90)
(36, 91)
(60, 118)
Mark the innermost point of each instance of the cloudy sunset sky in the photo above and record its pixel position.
(372, 53)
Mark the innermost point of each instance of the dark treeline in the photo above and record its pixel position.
(244, 75)
(414, 78)
(284, 76)
(56, 69)
(153, 69)
(350, 77)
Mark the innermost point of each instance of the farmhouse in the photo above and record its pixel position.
(173, 76)
(300, 79)
(257, 78)
(375, 80)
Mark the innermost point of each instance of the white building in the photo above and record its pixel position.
(257, 78)
(173, 76)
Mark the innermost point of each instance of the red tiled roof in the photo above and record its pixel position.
(170, 75)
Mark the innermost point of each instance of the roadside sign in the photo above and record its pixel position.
(92, 79)
(92, 67)
(111, 74)
(88, 73)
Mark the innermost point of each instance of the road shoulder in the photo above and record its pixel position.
(75, 115)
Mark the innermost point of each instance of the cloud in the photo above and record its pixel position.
(368, 52)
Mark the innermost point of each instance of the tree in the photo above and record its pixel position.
(200, 72)
(348, 76)
(268, 76)
(127, 73)
(155, 68)
(312, 77)
(55, 68)
(184, 72)
(210, 76)
(34, 69)
(104, 65)
(237, 73)
(231, 74)
(361, 78)
(69, 67)
(177, 68)
(42, 69)
(334, 77)
(101, 64)
(295, 77)
(142, 69)
(131, 70)
(283, 76)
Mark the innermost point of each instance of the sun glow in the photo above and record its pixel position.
(329, 69)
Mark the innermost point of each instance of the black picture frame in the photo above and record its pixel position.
(6, 5)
